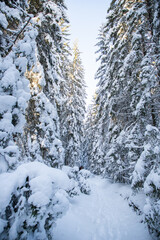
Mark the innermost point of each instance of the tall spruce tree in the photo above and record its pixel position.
(47, 83)
(93, 147)
(17, 55)
(74, 111)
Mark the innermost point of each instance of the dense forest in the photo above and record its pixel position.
(122, 127)
(43, 129)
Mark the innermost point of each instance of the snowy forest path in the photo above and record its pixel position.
(102, 215)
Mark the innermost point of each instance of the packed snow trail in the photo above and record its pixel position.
(102, 215)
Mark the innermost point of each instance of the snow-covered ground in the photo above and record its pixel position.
(102, 215)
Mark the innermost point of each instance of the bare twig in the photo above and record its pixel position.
(10, 48)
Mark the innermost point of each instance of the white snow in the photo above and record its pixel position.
(35, 186)
(11, 12)
(3, 20)
(26, 48)
(10, 77)
(6, 103)
(21, 62)
(42, 178)
(102, 215)
(153, 179)
(149, 128)
(2, 224)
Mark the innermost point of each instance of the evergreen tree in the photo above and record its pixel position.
(74, 111)
(93, 146)
(17, 41)
(42, 131)
(88, 137)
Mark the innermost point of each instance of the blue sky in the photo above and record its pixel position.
(86, 17)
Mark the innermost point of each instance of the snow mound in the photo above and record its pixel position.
(32, 197)
(79, 180)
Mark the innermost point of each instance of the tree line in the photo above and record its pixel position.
(122, 126)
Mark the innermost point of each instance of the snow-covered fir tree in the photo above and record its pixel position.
(128, 97)
(88, 138)
(42, 131)
(74, 111)
(17, 41)
(92, 148)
